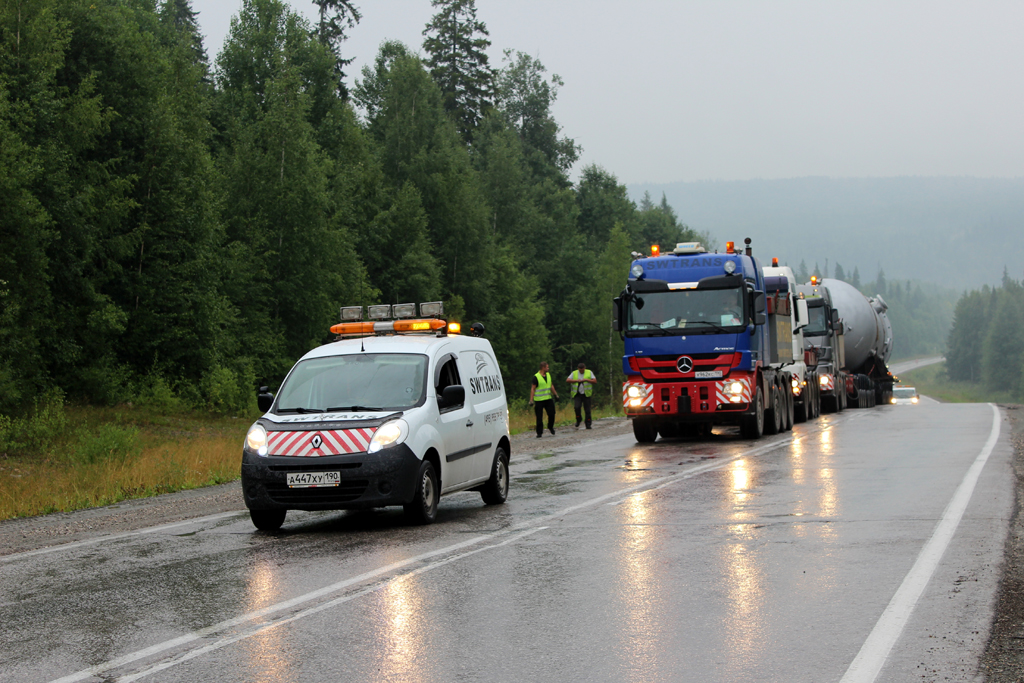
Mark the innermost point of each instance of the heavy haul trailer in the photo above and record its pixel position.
(824, 341)
(867, 342)
(707, 341)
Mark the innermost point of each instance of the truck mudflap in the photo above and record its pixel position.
(687, 398)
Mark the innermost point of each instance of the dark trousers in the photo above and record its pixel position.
(581, 400)
(539, 407)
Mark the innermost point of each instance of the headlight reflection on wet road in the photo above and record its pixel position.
(641, 597)
(401, 631)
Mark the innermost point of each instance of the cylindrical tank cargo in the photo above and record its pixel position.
(866, 327)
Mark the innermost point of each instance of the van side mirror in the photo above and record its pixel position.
(454, 395)
(264, 399)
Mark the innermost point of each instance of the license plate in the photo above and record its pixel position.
(707, 374)
(311, 480)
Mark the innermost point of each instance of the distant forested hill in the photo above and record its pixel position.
(960, 232)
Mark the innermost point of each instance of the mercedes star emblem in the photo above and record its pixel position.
(685, 364)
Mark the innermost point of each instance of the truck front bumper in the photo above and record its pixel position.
(699, 400)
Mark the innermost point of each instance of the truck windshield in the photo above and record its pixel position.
(816, 325)
(694, 311)
(365, 381)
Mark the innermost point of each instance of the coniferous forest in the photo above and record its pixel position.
(180, 224)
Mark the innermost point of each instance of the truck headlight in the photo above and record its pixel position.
(795, 383)
(256, 440)
(388, 434)
(823, 380)
(636, 391)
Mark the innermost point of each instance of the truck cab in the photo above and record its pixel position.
(698, 351)
(823, 337)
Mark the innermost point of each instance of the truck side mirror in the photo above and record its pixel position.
(616, 314)
(802, 315)
(839, 327)
(759, 302)
(835, 318)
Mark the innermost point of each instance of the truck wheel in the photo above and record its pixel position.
(645, 431)
(773, 418)
(790, 409)
(752, 426)
(423, 507)
(800, 411)
(267, 520)
(495, 490)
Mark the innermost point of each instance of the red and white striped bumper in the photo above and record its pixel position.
(318, 443)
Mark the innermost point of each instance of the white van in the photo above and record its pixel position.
(379, 421)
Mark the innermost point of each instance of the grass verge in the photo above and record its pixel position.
(932, 381)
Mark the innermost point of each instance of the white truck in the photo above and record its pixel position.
(803, 376)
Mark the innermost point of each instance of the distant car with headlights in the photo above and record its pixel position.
(400, 417)
(904, 396)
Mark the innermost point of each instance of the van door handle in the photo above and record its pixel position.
(469, 423)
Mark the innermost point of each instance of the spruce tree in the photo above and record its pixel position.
(457, 43)
(336, 17)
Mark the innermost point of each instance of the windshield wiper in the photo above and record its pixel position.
(370, 409)
(299, 410)
(654, 327)
(705, 322)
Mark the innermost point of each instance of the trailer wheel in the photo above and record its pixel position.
(752, 426)
(645, 431)
(773, 418)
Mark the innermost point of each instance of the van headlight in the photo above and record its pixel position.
(256, 440)
(388, 434)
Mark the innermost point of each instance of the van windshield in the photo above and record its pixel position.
(365, 381)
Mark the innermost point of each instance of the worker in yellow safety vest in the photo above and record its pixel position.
(541, 399)
(584, 381)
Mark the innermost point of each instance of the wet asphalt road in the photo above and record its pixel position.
(715, 560)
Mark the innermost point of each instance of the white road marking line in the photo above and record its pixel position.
(523, 530)
(114, 537)
(869, 661)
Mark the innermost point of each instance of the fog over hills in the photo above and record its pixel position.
(956, 231)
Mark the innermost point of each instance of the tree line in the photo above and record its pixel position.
(179, 226)
(986, 345)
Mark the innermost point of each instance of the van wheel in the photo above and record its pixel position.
(495, 489)
(423, 507)
(267, 520)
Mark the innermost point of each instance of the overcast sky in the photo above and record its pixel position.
(666, 90)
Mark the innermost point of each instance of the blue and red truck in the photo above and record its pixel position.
(708, 340)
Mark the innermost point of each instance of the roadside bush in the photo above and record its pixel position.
(156, 392)
(39, 431)
(109, 443)
(229, 390)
